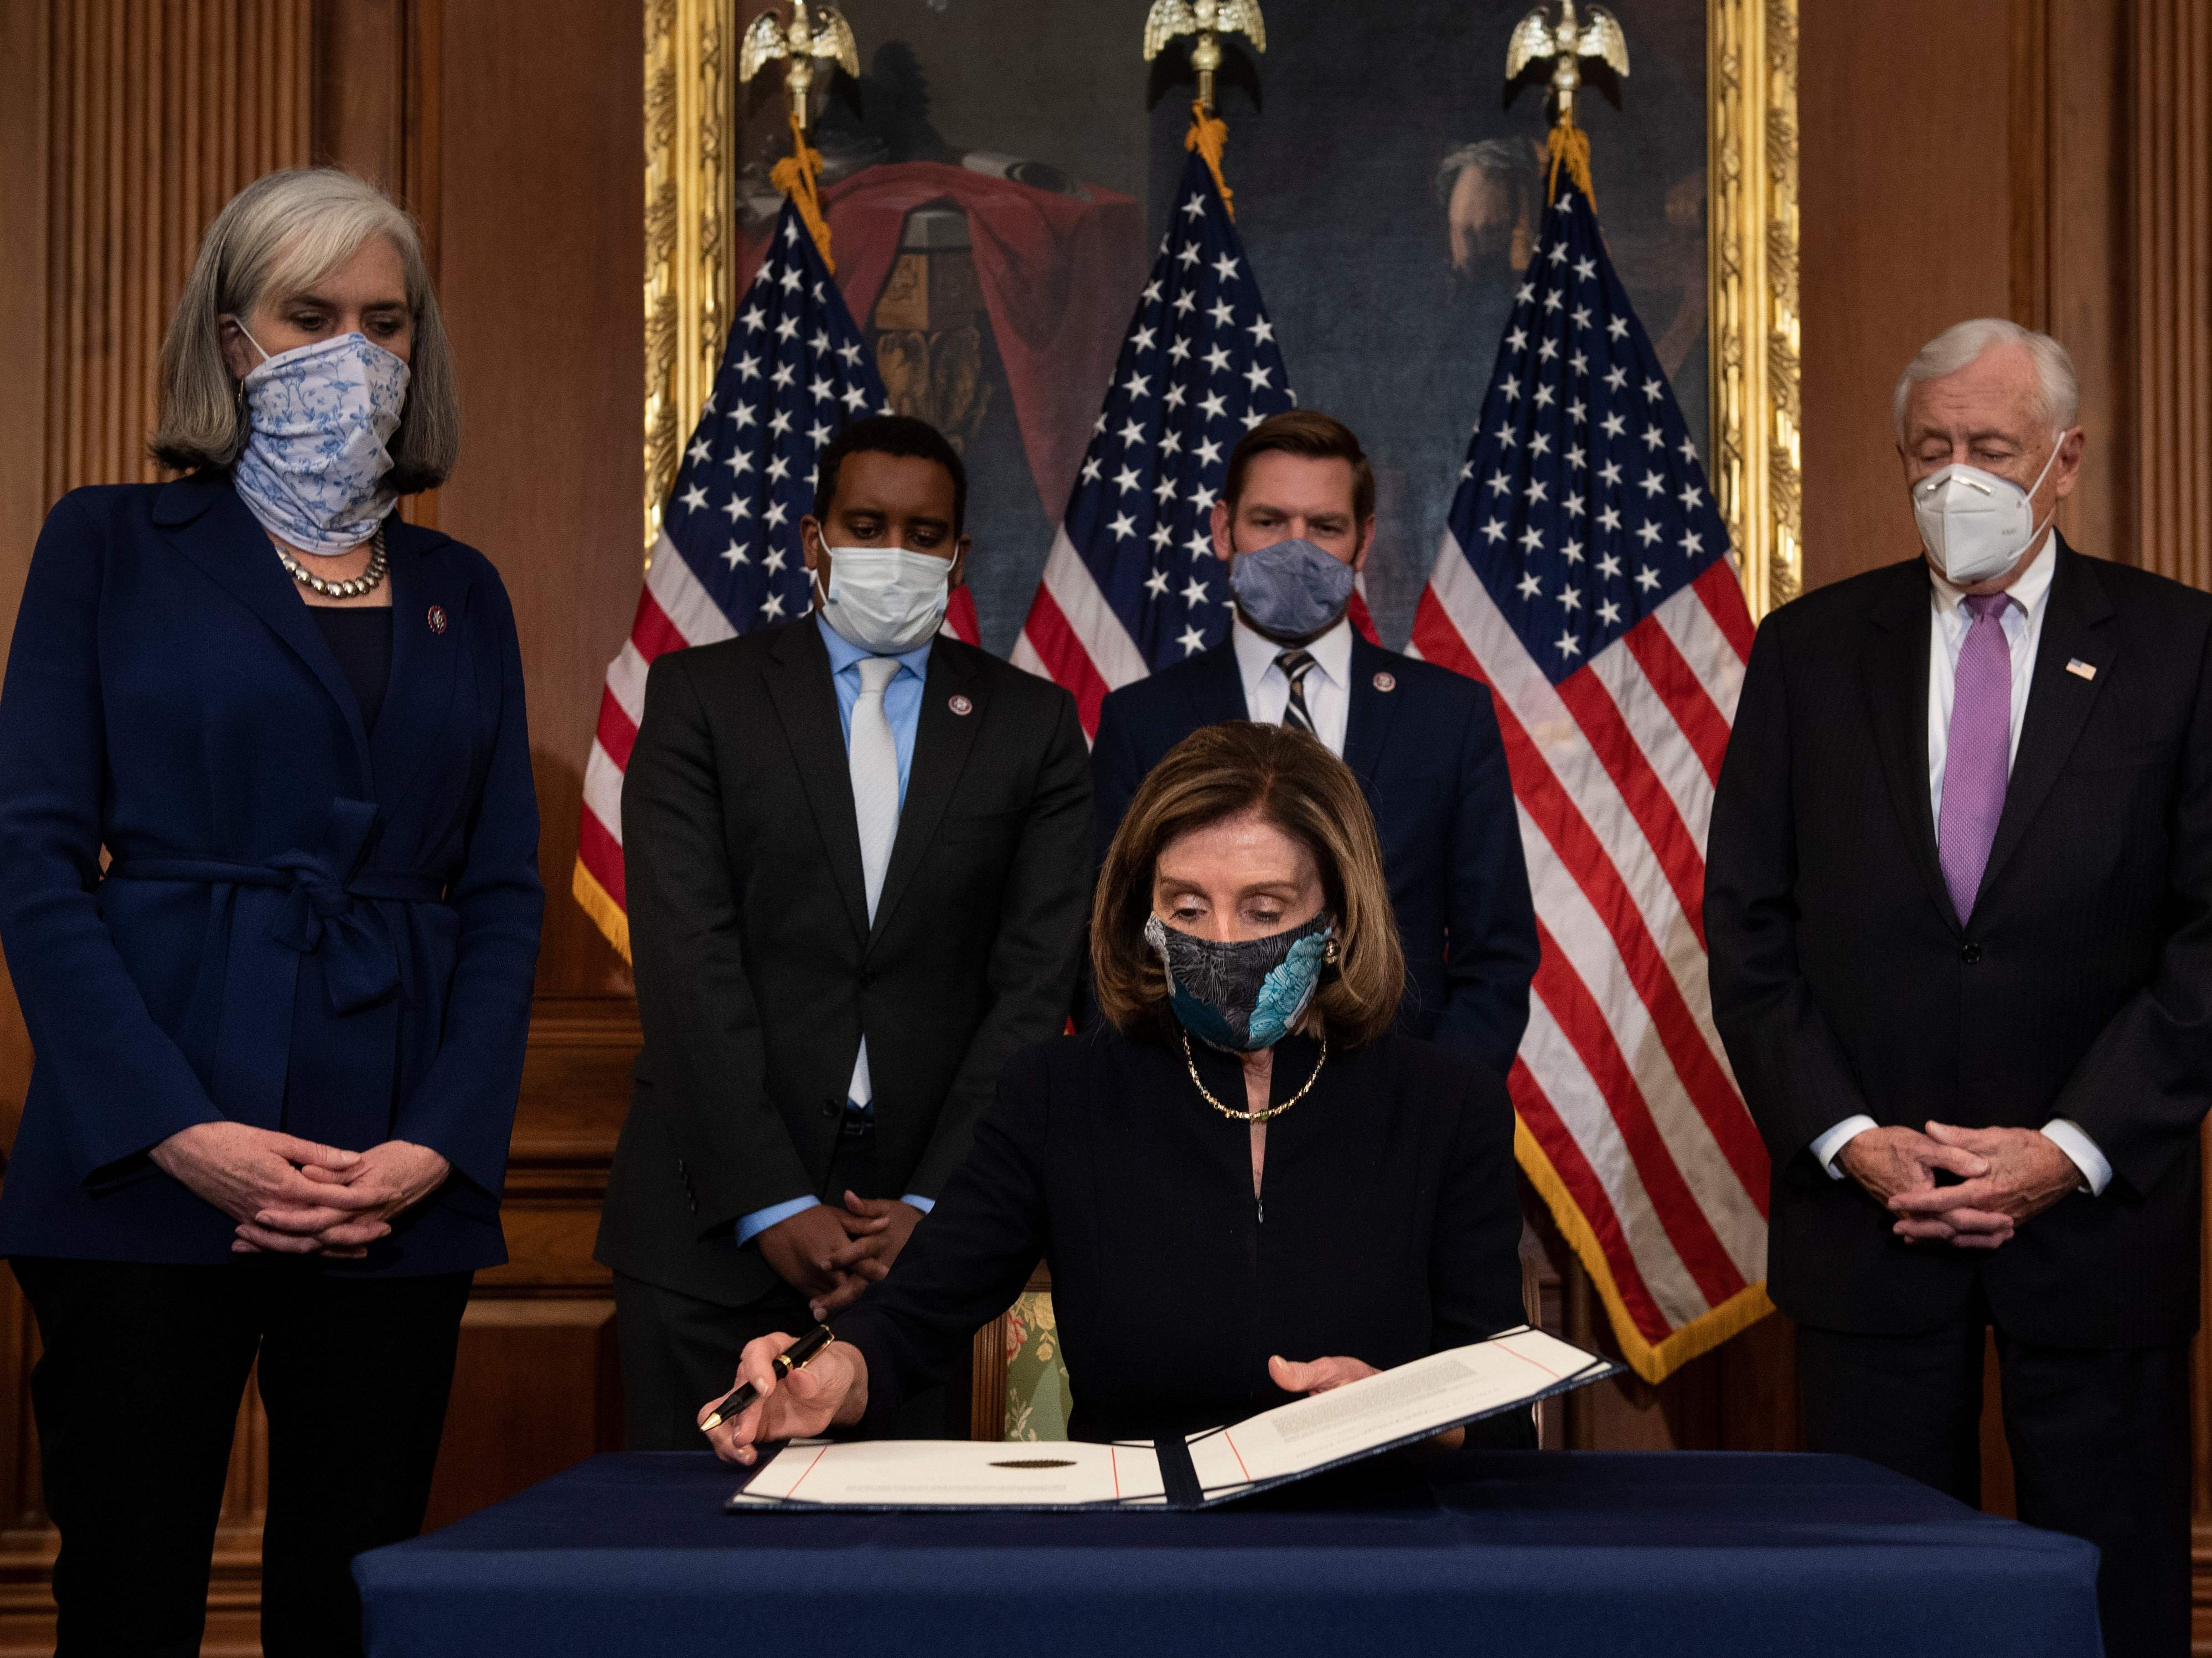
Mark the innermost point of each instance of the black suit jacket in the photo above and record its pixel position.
(757, 966)
(1391, 1231)
(1432, 766)
(2081, 987)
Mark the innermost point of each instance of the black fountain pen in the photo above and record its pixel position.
(793, 1358)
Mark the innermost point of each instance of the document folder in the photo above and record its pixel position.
(1180, 1473)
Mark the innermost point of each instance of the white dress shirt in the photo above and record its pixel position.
(1329, 685)
(1949, 622)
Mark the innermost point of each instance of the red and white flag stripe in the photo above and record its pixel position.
(1630, 1121)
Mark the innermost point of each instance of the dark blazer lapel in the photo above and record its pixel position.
(798, 684)
(425, 657)
(1895, 668)
(2059, 702)
(212, 527)
(942, 740)
(1371, 713)
(1215, 688)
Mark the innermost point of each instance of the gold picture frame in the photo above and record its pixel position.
(689, 133)
(1751, 98)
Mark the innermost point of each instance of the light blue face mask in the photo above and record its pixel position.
(1292, 590)
(1246, 996)
(314, 468)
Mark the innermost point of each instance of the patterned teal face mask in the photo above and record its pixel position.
(1247, 996)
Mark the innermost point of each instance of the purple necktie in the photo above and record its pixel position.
(1977, 755)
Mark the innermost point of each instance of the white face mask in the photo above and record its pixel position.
(1974, 524)
(885, 600)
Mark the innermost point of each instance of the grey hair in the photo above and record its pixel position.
(280, 235)
(1962, 343)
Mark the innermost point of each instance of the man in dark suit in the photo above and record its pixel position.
(854, 853)
(1422, 740)
(1959, 907)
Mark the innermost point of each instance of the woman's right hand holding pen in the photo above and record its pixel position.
(830, 1391)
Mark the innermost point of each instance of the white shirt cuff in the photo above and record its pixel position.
(1825, 1148)
(2096, 1172)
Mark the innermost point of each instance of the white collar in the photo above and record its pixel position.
(2030, 591)
(1256, 653)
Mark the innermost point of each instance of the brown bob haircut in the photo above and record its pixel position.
(1309, 433)
(1286, 776)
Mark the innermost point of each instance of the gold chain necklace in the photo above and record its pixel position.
(1272, 1111)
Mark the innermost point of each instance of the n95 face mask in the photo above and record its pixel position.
(1975, 524)
(885, 600)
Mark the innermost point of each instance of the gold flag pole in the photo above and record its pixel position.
(800, 40)
(1209, 20)
(1534, 39)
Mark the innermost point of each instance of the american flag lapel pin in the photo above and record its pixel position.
(2081, 670)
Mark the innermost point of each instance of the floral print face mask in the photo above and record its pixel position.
(314, 468)
(1246, 996)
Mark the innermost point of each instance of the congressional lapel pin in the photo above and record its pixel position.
(437, 618)
(961, 705)
(1386, 683)
(2081, 670)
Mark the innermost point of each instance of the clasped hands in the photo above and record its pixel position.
(2007, 1176)
(294, 1197)
(830, 1255)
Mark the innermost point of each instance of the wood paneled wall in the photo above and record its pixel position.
(2172, 84)
(2043, 159)
(1969, 159)
(160, 109)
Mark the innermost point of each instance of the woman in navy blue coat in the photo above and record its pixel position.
(269, 895)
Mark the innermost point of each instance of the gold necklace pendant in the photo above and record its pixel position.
(1272, 1111)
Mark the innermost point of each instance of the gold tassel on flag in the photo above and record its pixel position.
(800, 40)
(1209, 20)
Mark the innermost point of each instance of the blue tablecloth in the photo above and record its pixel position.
(1592, 1555)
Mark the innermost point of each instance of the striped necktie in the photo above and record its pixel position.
(1296, 665)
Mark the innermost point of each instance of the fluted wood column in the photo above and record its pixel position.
(2173, 286)
(159, 111)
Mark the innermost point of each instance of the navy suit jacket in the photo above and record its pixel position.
(304, 924)
(1432, 764)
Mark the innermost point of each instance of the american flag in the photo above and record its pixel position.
(794, 371)
(1584, 577)
(1132, 583)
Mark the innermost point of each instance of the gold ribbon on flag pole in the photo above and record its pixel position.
(1209, 20)
(1566, 43)
(800, 40)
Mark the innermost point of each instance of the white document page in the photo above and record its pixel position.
(929, 1472)
(1428, 1393)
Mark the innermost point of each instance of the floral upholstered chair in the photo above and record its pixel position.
(1021, 1389)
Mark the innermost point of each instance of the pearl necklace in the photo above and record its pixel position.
(367, 582)
(1271, 1112)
